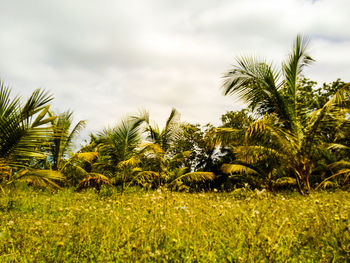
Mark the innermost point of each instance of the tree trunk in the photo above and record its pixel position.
(300, 186)
(269, 183)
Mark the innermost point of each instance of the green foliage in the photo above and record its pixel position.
(291, 128)
(62, 138)
(23, 129)
(118, 149)
(287, 124)
(20, 134)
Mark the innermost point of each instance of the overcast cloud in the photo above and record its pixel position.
(104, 59)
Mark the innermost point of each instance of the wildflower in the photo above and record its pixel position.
(260, 192)
(10, 223)
(60, 244)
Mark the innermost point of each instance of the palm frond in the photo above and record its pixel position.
(77, 129)
(98, 175)
(269, 125)
(87, 156)
(333, 106)
(121, 142)
(128, 163)
(293, 67)
(337, 146)
(256, 82)
(344, 172)
(93, 182)
(180, 157)
(152, 148)
(195, 177)
(238, 168)
(40, 177)
(338, 165)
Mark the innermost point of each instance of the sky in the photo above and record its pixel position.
(110, 58)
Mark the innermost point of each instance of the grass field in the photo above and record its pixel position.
(157, 226)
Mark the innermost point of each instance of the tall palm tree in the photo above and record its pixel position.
(273, 94)
(22, 130)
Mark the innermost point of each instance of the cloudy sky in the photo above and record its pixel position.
(104, 59)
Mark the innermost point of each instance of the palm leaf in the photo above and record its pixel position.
(40, 177)
(195, 177)
(20, 135)
(238, 168)
(293, 67)
(128, 163)
(87, 156)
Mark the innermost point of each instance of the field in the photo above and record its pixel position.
(162, 226)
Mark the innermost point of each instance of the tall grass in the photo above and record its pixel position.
(243, 226)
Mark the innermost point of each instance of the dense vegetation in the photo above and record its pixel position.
(293, 136)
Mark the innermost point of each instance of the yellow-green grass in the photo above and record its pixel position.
(161, 226)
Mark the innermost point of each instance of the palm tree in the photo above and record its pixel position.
(62, 139)
(118, 148)
(273, 95)
(167, 168)
(165, 137)
(22, 131)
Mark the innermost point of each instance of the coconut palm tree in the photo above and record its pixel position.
(62, 138)
(118, 148)
(273, 95)
(165, 137)
(22, 131)
(167, 168)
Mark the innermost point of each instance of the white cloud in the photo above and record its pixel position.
(104, 59)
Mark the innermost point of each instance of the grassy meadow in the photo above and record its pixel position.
(163, 226)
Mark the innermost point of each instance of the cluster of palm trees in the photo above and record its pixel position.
(36, 147)
(288, 139)
(279, 137)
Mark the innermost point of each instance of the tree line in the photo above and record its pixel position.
(293, 134)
